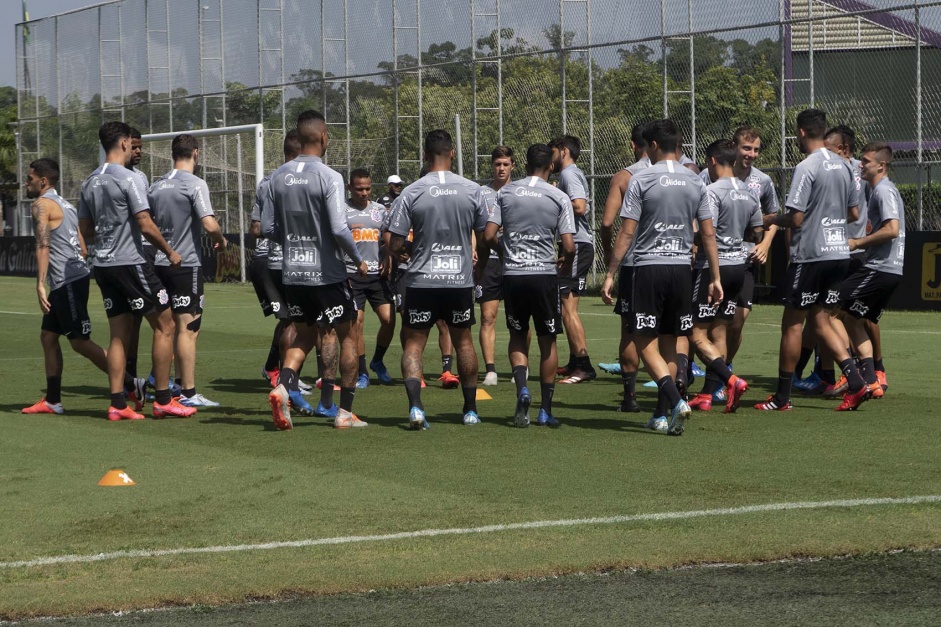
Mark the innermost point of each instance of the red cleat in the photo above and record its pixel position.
(44, 407)
(734, 390)
(449, 380)
(173, 409)
(280, 408)
(771, 404)
(701, 402)
(123, 414)
(880, 377)
(852, 400)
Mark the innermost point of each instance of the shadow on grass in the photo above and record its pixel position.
(253, 385)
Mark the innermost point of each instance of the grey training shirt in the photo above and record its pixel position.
(857, 229)
(533, 215)
(262, 244)
(365, 225)
(111, 198)
(664, 200)
(442, 209)
(572, 181)
(641, 164)
(735, 212)
(885, 203)
(823, 189)
(66, 263)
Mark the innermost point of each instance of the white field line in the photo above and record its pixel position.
(430, 533)
(20, 313)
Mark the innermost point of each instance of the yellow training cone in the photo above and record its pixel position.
(116, 478)
(483, 396)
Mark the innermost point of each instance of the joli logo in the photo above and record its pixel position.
(931, 271)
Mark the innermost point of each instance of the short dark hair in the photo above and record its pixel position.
(883, 151)
(745, 131)
(501, 152)
(110, 133)
(813, 122)
(292, 144)
(183, 146)
(46, 168)
(310, 124)
(664, 133)
(438, 143)
(637, 134)
(538, 157)
(724, 151)
(847, 135)
(135, 134)
(573, 144)
(359, 173)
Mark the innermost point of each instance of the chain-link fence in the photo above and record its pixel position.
(385, 73)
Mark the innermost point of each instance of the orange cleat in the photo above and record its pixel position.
(350, 421)
(880, 377)
(852, 400)
(449, 380)
(173, 409)
(123, 414)
(44, 407)
(734, 390)
(280, 408)
(837, 389)
(701, 402)
(876, 390)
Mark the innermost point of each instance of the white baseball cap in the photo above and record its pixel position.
(393, 179)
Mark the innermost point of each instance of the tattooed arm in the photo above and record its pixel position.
(40, 210)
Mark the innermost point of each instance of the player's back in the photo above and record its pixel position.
(110, 197)
(735, 211)
(180, 200)
(533, 214)
(822, 188)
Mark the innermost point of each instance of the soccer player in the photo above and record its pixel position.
(661, 205)
(365, 219)
(60, 258)
(180, 201)
(628, 358)
(866, 292)
(490, 284)
(572, 181)
(394, 184)
(533, 215)
(305, 212)
(150, 253)
(819, 204)
(736, 217)
(443, 210)
(113, 212)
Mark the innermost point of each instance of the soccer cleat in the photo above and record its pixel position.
(271, 376)
(876, 390)
(416, 420)
(880, 377)
(319, 385)
(348, 421)
(660, 424)
(176, 390)
(523, 401)
(852, 400)
(44, 407)
(701, 402)
(734, 390)
(471, 418)
(718, 396)
(280, 408)
(362, 381)
(326, 412)
(423, 384)
(304, 387)
(813, 384)
(564, 371)
(381, 372)
(611, 368)
(123, 414)
(546, 420)
(173, 409)
(449, 380)
(137, 392)
(678, 418)
(299, 403)
(837, 389)
(696, 370)
(771, 404)
(578, 376)
(490, 378)
(629, 406)
(197, 400)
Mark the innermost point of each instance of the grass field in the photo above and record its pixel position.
(227, 479)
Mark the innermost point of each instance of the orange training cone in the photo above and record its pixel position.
(482, 395)
(116, 478)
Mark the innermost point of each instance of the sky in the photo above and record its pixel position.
(12, 15)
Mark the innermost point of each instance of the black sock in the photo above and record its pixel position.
(802, 362)
(446, 363)
(682, 373)
(274, 351)
(584, 363)
(319, 364)
(128, 382)
(178, 381)
(880, 367)
(670, 391)
(380, 353)
(117, 400)
(818, 365)
(867, 370)
(413, 390)
(346, 398)
(629, 385)
(288, 379)
(662, 402)
(161, 397)
(362, 364)
(131, 366)
(829, 376)
(571, 362)
(519, 376)
(711, 384)
(491, 368)
(189, 392)
(718, 367)
(54, 390)
(848, 366)
(547, 390)
(783, 395)
(326, 392)
(470, 398)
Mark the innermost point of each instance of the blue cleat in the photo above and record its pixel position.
(416, 420)
(719, 395)
(612, 368)
(381, 372)
(813, 384)
(471, 418)
(326, 412)
(362, 381)
(299, 403)
(523, 401)
(546, 420)
(678, 418)
(696, 370)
